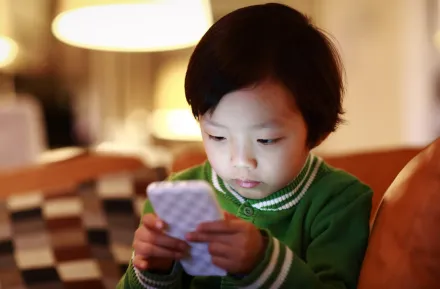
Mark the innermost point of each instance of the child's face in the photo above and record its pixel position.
(256, 139)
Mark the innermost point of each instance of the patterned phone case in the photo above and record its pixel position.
(183, 205)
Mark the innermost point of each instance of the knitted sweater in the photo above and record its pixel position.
(318, 229)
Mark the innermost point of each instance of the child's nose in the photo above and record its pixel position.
(243, 158)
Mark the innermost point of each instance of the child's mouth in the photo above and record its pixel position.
(247, 184)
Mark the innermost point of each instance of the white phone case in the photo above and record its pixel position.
(183, 205)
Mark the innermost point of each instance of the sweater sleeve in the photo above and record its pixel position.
(134, 278)
(333, 258)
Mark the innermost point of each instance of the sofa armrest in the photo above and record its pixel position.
(52, 176)
(404, 247)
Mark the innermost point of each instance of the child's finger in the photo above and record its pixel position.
(229, 216)
(225, 263)
(209, 237)
(222, 227)
(147, 250)
(153, 223)
(167, 242)
(144, 235)
(217, 249)
(140, 262)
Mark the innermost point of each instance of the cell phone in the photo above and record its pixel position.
(183, 205)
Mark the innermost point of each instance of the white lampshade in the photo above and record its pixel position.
(172, 117)
(175, 124)
(8, 47)
(8, 51)
(132, 25)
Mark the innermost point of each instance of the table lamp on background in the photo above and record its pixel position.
(172, 117)
(8, 47)
(142, 26)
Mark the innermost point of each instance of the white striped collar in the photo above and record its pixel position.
(283, 199)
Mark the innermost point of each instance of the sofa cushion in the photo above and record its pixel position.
(75, 238)
(404, 250)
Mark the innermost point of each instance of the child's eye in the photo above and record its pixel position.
(268, 141)
(216, 138)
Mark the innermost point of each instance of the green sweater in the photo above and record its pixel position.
(318, 229)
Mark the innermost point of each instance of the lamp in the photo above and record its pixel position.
(8, 47)
(132, 25)
(172, 117)
(8, 51)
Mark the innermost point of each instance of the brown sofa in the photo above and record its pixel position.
(107, 193)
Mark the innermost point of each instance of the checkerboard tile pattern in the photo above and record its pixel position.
(79, 238)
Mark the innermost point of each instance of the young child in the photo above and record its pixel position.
(266, 87)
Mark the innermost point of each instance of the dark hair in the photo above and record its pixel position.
(269, 41)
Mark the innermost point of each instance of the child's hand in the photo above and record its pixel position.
(235, 245)
(153, 249)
